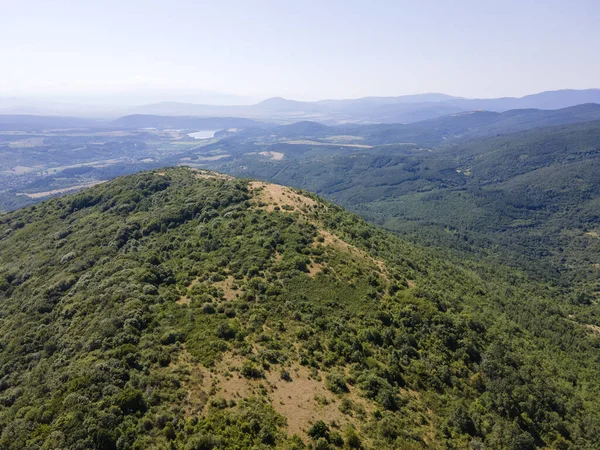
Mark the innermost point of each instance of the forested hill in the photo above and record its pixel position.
(529, 199)
(190, 310)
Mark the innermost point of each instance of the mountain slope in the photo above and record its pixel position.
(186, 309)
(529, 198)
(432, 132)
(562, 98)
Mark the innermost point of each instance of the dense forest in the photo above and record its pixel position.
(184, 309)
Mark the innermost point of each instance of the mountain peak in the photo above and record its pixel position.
(277, 101)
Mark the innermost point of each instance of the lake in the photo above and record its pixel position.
(203, 134)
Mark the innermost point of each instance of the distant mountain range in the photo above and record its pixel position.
(426, 132)
(403, 109)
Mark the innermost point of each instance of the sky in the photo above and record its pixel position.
(300, 49)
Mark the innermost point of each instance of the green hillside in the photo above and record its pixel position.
(529, 199)
(189, 310)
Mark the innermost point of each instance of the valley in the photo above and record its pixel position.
(207, 291)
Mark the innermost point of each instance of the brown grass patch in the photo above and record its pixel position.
(273, 195)
(226, 286)
(185, 300)
(268, 196)
(302, 401)
(275, 156)
(229, 293)
(207, 174)
(315, 268)
(228, 383)
(27, 143)
(595, 328)
(335, 242)
(61, 190)
(193, 380)
(343, 138)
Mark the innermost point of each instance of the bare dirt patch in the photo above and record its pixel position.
(27, 143)
(61, 191)
(314, 269)
(195, 381)
(207, 174)
(272, 195)
(185, 300)
(344, 138)
(304, 400)
(595, 328)
(229, 293)
(276, 156)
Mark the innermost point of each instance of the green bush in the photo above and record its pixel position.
(336, 383)
(319, 430)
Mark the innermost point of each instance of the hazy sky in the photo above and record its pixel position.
(301, 49)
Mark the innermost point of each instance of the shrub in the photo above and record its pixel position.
(203, 442)
(131, 401)
(319, 430)
(251, 370)
(336, 383)
(285, 375)
(351, 438)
